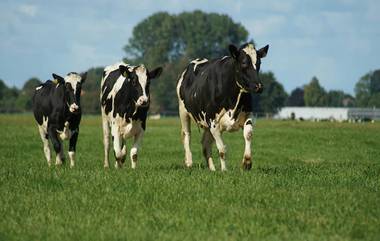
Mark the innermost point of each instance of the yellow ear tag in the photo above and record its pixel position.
(125, 74)
(55, 81)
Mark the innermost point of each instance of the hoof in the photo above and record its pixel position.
(247, 165)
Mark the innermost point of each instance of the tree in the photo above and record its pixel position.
(367, 88)
(374, 101)
(24, 99)
(171, 41)
(273, 96)
(314, 93)
(296, 98)
(8, 98)
(335, 98)
(91, 91)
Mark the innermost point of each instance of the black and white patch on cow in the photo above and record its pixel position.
(56, 108)
(125, 102)
(217, 95)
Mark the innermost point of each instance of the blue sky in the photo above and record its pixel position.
(337, 41)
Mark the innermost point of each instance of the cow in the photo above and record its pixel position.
(217, 95)
(56, 108)
(125, 100)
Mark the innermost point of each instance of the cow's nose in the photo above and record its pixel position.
(74, 107)
(259, 88)
(142, 101)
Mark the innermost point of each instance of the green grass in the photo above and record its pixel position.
(309, 181)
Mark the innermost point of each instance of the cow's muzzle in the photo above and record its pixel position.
(74, 108)
(259, 87)
(142, 101)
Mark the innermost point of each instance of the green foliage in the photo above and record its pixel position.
(8, 97)
(362, 91)
(91, 91)
(314, 93)
(309, 181)
(296, 98)
(24, 100)
(374, 101)
(367, 89)
(273, 96)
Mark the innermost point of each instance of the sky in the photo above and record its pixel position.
(338, 41)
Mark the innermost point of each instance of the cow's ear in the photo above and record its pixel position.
(233, 51)
(83, 77)
(58, 79)
(261, 53)
(155, 73)
(124, 71)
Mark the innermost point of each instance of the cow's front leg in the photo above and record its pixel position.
(72, 146)
(136, 141)
(57, 145)
(118, 147)
(216, 133)
(247, 133)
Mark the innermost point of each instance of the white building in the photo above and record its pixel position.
(328, 113)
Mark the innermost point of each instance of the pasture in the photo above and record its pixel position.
(309, 181)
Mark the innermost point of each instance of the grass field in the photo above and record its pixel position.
(309, 181)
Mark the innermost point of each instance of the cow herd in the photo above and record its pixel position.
(216, 94)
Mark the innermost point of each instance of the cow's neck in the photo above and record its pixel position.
(236, 88)
(128, 109)
(61, 99)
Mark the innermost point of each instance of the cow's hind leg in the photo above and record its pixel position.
(216, 133)
(247, 132)
(207, 141)
(106, 141)
(57, 145)
(136, 141)
(45, 141)
(118, 146)
(186, 135)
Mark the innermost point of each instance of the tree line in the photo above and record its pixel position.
(171, 41)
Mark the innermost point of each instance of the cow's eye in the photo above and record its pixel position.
(244, 64)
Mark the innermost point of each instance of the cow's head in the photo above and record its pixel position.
(72, 89)
(248, 61)
(138, 82)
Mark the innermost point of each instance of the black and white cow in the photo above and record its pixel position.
(125, 100)
(56, 108)
(216, 94)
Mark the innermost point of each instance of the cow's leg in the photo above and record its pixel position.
(247, 132)
(57, 145)
(186, 135)
(136, 141)
(72, 146)
(106, 140)
(216, 133)
(207, 141)
(118, 146)
(45, 141)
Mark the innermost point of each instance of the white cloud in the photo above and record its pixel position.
(28, 9)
